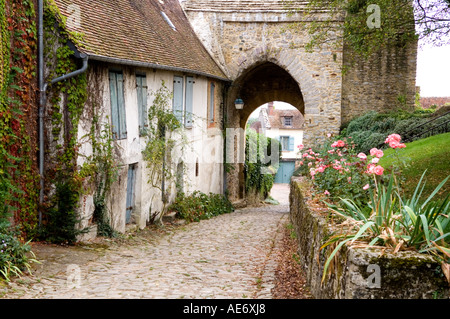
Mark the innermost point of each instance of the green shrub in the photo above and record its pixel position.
(369, 129)
(14, 255)
(258, 163)
(61, 221)
(198, 206)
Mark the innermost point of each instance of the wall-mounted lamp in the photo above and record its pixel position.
(239, 104)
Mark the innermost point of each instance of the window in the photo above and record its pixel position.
(141, 87)
(288, 121)
(183, 95)
(287, 143)
(118, 115)
(211, 95)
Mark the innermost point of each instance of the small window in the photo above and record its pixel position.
(118, 115)
(287, 143)
(288, 121)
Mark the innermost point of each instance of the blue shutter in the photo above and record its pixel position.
(211, 102)
(291, 143)
(141, 87)
(189, 101)
(121, 106)
(114, 106)
(178, 97)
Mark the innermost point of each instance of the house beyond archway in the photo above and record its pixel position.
(260, 84)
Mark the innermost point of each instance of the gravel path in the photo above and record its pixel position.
(229, 256)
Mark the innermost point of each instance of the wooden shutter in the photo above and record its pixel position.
(291, 143)
(211, 102)
(121, 105)
(178, 98)
(189, 101)
(141, 87)
(118, 116)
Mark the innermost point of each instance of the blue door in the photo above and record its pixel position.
(130, 192)
(285, 172)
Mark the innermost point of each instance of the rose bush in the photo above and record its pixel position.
(337, 170)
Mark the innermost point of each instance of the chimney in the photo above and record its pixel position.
(270, 108)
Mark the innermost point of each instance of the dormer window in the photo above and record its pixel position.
(287, 121)
(169, 22)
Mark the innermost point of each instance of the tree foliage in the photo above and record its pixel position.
(370, 25)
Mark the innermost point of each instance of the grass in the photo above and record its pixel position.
(431, 154)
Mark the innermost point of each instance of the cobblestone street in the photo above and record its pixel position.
(229, 256)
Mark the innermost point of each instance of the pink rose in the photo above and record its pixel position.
(362, 156)
(366, 187)
(375, 160)
(320, 169)
(301, 146)
(378, 170)
(395, 144)
(376, 152)
(370, 169)
(393, 138)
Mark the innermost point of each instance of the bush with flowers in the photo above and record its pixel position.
(371, 204)
(337, 170)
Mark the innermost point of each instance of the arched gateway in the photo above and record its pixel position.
(266, 60)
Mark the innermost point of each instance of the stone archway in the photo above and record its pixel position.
(259, 84)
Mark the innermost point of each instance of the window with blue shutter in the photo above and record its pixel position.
(284, 140)
(178, 97)
(189, 101)
(141, 87)
(291, 143)
(118, 115)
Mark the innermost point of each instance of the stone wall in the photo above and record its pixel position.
(384, 82)
(405, 275)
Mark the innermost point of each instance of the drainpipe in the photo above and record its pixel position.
(43, 90)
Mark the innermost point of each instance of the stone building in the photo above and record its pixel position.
(135, 48)
(210, 54)
(267, 60)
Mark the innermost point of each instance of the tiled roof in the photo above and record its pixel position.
(136, 31)
(276, 119)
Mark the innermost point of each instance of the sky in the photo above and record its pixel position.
(433, 71)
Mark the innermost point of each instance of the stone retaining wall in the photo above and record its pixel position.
(359, 273)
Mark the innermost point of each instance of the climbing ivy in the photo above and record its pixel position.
(64, 183)
(102, 168)
(164, 133)
(254, 167)
(18, 169)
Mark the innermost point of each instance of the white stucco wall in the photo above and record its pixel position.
(203, 147)
(298, 139)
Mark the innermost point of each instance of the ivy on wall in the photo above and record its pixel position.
(18, 110)
(66, 100)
